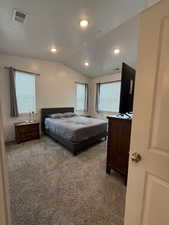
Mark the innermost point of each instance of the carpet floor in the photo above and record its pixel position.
(49, 186)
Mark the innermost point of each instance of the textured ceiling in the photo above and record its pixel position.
(112, 23)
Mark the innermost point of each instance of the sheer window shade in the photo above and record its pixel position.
(25, 92)
(108, 97)
(81, 97)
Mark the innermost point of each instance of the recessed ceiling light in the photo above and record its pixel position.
(53, 50)
(116, 51)
(84, 23)
(86, 64)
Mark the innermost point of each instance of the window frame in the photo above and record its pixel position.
(87, 97)
(107, 82)
(36, 93)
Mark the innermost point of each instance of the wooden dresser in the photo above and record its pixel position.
(118, 146)
(26, 131)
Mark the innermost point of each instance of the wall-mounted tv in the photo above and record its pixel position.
(127, 89)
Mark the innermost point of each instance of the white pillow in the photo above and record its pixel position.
(56, 115)
(69, 114)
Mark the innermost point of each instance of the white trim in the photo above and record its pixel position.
(150, 3)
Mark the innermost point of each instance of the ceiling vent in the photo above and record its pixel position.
(19, 16)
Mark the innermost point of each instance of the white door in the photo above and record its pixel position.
(4, 201)
(147, 201)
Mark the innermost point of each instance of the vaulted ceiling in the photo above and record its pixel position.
(112, 23)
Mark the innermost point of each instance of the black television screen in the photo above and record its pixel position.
(127, 89)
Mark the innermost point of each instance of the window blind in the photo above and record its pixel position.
(108, 97)
(25, 92)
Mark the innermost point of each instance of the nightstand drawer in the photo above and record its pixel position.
(28, 138)
(26, 131)
(34, 133)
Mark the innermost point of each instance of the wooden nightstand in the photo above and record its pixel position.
(87, 116)
(26, 131)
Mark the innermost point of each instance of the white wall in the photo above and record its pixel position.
(55, 86)
(93, 82)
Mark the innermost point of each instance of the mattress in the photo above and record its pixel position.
(76, 128)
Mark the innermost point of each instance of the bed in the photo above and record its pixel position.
(75, 132)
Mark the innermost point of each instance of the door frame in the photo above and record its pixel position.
(152, 45)
(5, 218)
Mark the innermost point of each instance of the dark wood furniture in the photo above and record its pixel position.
(26, 131)
(73, 147)
(118, 145)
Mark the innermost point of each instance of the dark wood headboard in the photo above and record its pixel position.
(48, 111)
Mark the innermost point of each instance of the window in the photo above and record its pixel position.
(108, 97)
(25, 92)
(81, 97)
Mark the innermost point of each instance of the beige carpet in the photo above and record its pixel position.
(49, 186)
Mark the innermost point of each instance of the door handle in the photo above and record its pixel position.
(136, 157)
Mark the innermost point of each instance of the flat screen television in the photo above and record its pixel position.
(127, 89)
